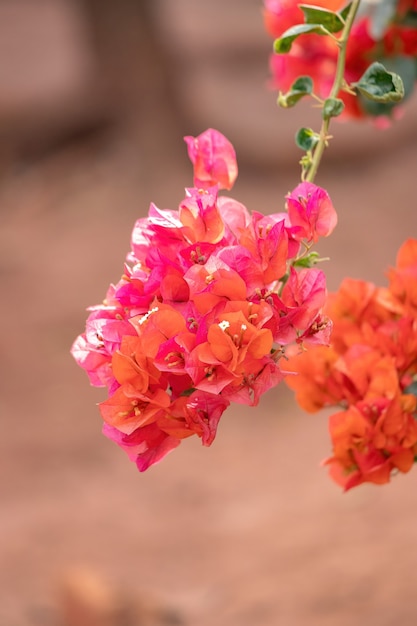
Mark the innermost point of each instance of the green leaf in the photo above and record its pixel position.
(407, 69)
(317, 15)
(345, 12)
(332, 107)
(284, 43)
(379, 85)
(307, 261)
(303, 86)
(306, 139)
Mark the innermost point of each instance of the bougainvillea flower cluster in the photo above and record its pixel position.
(383, 31)
(210, 298)
(369, 373)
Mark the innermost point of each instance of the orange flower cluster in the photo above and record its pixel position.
(370, 373)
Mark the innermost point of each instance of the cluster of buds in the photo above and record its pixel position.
(210, 299)
(370, 373)
(384, 32)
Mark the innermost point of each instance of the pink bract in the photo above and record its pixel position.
(213, 158)
(310, 208)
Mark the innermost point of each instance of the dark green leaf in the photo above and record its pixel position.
(332, 107)
(306, 139)
(303, 86)
(284, 43)
(317, 15)
(379, 85)
(345, 12)
(407, 69)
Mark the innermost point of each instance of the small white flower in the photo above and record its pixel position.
(224, 325)
(148, 314)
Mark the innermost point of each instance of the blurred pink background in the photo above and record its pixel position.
(95, 97)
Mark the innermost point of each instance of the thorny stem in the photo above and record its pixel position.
(337, 86)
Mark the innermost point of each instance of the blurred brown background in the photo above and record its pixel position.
(95, 97)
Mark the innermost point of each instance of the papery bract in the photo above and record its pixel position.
(200, 216)
(213, 158)
(200, 414)
(310, 208)
(145, 446)
(128, 409)
(267, 243)
(314, 383)
(94, 360)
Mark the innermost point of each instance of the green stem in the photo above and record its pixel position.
(337, 86)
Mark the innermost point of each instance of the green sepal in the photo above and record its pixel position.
(306, 163)
(303, 86)
(284, 43)
(379, 85)
(332, 107)
(309, 260)
(306, 139)
(331, 21)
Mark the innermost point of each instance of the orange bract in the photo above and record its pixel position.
(370, 370)
(313, 381)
